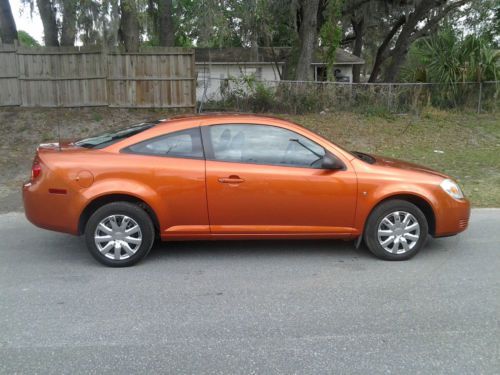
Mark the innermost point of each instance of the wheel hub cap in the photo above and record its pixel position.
(118, 237)
(398, 232)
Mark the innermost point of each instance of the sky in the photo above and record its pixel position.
(32, 24)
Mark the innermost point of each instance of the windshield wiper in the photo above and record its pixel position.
(307, 148)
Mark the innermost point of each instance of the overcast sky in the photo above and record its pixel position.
(24, 20)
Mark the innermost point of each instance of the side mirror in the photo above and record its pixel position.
(331, 162)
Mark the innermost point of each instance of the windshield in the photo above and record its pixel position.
(110, 137)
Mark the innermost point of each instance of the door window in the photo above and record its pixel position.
(264, 144)
(181, 144)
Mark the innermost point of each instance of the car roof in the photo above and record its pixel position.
(220, 116)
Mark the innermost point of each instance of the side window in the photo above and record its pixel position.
(264, 144)
(181, 144)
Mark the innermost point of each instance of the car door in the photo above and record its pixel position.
(173, 165)
(264, 179)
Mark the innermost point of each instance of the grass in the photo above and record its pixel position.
(468, 145)
(465, 146)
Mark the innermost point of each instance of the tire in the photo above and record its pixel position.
(119, 234)
(408, 237)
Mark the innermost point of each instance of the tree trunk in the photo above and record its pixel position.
(398, 57)
(382, 53)
(48, 16)
(308, 35)
(111, 25)
(8, 31)
(413, 29)
(358, 27)
(398, 53)
(167, 37)
(129, 25)
(68, 33)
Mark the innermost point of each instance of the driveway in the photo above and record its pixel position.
(305, 307)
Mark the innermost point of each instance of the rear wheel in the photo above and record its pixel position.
(119, 234)
(396, 230)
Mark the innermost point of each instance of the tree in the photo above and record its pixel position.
(129, 25)
(406, 28)
(448, 58)
(26, 39)
(480, 18)
(8, 30)
(47, 11)
(68, 31)
(166, 23)
(308, 38)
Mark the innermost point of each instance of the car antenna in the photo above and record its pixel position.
(59, 132)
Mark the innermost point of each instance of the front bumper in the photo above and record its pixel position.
(452, 216)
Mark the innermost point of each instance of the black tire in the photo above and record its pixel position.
(379, 213)
(134, 212)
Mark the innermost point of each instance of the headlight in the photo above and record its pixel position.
(452, 188)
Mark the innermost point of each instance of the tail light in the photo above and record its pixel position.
(36, 169)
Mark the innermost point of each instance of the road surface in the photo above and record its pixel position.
(305, 307)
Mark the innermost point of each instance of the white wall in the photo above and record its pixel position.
(345, 70)
(214, 76)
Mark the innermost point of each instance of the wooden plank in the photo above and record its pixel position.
(146, 78)
(149, 106)
(60, 78)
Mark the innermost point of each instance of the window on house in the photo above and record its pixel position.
(321, 73)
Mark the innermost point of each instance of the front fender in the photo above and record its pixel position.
(372, 196)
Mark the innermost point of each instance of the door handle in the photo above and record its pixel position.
(233, 179)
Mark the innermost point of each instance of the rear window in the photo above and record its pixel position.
(110, 137)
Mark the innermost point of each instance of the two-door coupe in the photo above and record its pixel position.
(234, 176)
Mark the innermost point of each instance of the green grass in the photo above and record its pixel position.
(470, 144)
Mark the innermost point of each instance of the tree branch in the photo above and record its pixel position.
(354, 6)
(382, 50)
(435, 20)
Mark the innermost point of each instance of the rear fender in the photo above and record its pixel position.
(130, 188)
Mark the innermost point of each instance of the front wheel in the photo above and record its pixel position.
(119, 234)
(396, 230)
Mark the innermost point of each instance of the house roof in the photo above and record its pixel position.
(264, 55)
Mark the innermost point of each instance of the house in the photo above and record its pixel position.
(215, 66)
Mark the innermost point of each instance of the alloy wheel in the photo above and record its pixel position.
(118, 237)
(398, 232)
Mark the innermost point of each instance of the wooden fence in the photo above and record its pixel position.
(85, 77)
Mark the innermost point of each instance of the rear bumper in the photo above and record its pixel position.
(47, 210)
(452, 217)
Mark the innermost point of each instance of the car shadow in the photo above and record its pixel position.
(336, 249)
(256, 248)
(62, 249)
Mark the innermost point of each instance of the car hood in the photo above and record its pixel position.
(395, 163)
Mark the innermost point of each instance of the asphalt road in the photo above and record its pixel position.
(305, 307)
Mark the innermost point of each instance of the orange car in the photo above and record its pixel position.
(234, 176)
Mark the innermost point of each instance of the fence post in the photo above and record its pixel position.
(105, 71)
(18, 72)
(480, 97)
(389, 98)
